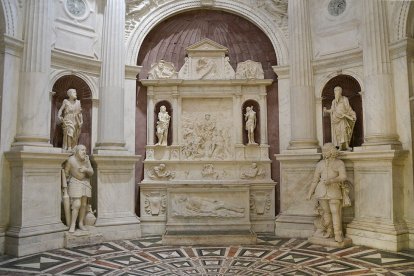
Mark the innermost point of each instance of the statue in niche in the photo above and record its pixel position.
(70, 115)
(160, 172)
(252, 172)
(162, 70)
(332, 193)
(76, 187)
(162, 126)
(200, 207)
(250, 118)
(342, 120)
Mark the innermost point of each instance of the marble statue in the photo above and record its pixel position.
(70, 115)
(162, 70)
(342, 120)
(250, 118)
(162, 126)
(160, 172)
(331, 190)
(252, 172)
(77, 172)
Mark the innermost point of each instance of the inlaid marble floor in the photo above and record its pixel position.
(271, 256)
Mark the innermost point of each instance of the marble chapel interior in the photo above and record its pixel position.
(142, 137)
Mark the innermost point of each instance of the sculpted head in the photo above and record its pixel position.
(338, 92)
(248, 109)
(329, 151)
(71, 93)
(207, 116)
(163, 108)
(80, 152)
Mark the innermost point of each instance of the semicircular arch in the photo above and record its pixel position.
(260, 19)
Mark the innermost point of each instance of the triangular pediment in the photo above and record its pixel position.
(206, 45)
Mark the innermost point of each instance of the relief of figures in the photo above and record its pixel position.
(249, 70)
(252, 172)
(193, 206)
(205, 138)
(206, 69)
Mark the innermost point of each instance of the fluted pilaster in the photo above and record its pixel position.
(111, 111)
(32, 125)
(301, 76)
(380, 107)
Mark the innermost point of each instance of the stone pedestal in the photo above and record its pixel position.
(379, 199)
(347, 242)
(35, 223)
(296, 213)
(115, 190)
(91, 236)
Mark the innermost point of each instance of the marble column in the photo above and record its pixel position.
(114, 165)
(34, 104)
(379, 163)
(301, 77)
(35, 166)
(111, 109)
(380, 123)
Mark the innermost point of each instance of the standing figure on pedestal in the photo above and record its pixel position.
(162, 126)
(342, 120)
(70, 114)
(330, 190)
(78, 171)
(250, 118)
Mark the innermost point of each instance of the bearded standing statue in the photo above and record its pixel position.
(342, 120)
(76, 186)
(331, 191)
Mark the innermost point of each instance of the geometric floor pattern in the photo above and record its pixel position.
(271, 256)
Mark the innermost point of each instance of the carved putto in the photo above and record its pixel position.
(160, 172)
(252, 172)
(209, 172)
(249, 70)
(162, 70)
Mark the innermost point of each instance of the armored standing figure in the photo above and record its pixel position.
(162, 126)
(250, 118)
(342, 120)
(70, 115)
(331, 192)
(78, 171)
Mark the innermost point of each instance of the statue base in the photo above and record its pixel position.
(217, 238)
(83, 237)
(330, 242)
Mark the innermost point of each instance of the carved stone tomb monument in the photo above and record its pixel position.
(207, 187)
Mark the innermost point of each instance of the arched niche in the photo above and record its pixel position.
(167, 105)
(84, 94)
(244, 40)
(256, 108)
(350, 89)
